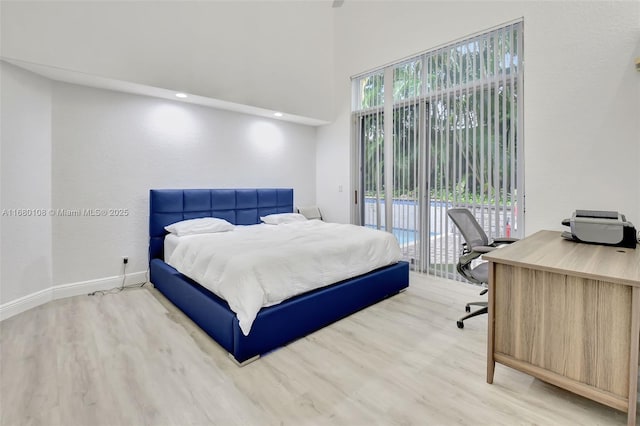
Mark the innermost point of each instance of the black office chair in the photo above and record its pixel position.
(476, 244)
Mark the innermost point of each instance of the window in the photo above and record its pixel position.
(448, 134)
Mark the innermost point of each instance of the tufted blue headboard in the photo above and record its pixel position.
(238, 206)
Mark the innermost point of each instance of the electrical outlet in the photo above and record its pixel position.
(125, 260)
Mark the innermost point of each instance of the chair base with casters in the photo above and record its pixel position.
(483, 310)
(475, 275)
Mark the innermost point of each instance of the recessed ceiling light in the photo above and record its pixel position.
(277, 114)
(181, 95)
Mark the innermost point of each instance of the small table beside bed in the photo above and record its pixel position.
(254, 275)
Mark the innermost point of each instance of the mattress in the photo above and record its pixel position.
(257, 266)
(170, 244)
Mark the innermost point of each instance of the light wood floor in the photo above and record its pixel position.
(133, 359)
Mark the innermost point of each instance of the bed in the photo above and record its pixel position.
(274, 326)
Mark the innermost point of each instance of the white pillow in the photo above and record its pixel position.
(278, 218)
(204, 225)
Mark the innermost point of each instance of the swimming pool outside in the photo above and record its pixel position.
(405, 236)
(440, 253)
(406, 214)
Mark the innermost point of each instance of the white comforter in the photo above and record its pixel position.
(261, 265)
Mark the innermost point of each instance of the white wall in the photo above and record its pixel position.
(581, 105)
(25, 181)
(110, 148)
(272, 54)
(68, 147)
(637, 57)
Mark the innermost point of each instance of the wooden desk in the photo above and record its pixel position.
(568, 314)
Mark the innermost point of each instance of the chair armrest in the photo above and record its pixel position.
(482, 249)
(505, 240)
(465, 259)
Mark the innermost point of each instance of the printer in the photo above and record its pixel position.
(600, 227)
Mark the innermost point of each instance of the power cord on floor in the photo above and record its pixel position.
(122, 287)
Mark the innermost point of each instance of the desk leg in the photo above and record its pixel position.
(491, 363)
(633, 355)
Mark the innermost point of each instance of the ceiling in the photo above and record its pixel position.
(255, 57)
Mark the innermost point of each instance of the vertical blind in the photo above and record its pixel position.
(453, 117)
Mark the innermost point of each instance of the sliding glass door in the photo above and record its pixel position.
(445, 133)
(404, 166)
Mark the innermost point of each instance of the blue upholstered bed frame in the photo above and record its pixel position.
(274, 326)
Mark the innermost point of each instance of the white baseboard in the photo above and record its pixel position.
(14, 307)
(86, 287)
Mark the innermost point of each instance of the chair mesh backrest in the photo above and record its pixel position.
(469, 227)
